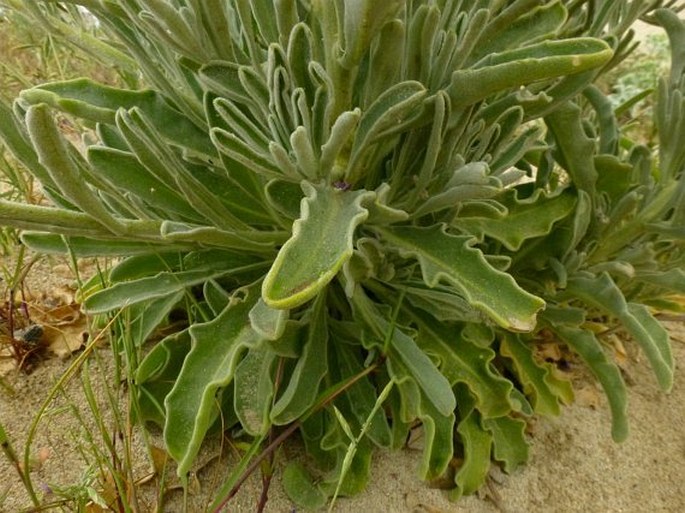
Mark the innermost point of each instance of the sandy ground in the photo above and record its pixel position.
(574, 464)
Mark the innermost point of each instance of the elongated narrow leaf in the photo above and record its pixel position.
(15, 138)
(99, 103)
(124, 171)
(362, 397)
(652, 337)
(438, 441)
(151, 287)
(144, 289)
(320, 244)
(606, 372)
(216, 349)
(522, 66)
(53, 155)
(303, 388)
(574, 150)
(538, 381)
(248, 241)
(392, 110)
(156, 374)
(403, 351)
(537, 23)
(449, 257)
(254, 390)
(83, 247)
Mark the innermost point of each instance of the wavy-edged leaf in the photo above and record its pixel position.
(537, 380)
(525, 219)
(672, 280)
(443, 256)
(508, 441)
(438, 440)
(217, 346)
(144, 289)
(322, 241)
(537, 23)
(249, 241)
(477, 444)
(574, 149)
(607, 373)
(299, 485)
(602, 293)
(464, 362)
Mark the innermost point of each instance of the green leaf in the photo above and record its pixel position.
(216, 350)
(463, 362)
(525, 219)
(168, 282)
(521, 66)
(508, 441)
(322, 241)
(123, 171)
(156, 374)
(390, 113)
(404, 356)
(438, 449)
(536, 23)
(362, 20)
(574, 149)
(131, 292)
(361, 398)
(602, 293)
(84, 247)
(15, 138)
(607, 373)
(537, 380)
(254, 389)
(450, 258)
(477, 444)
(300, 487)
(311, 367)
(64, 172)
(268, 322)
(95, 102)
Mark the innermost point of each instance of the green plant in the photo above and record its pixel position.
(348, 197)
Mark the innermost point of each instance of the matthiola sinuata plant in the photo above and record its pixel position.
(369, 212)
